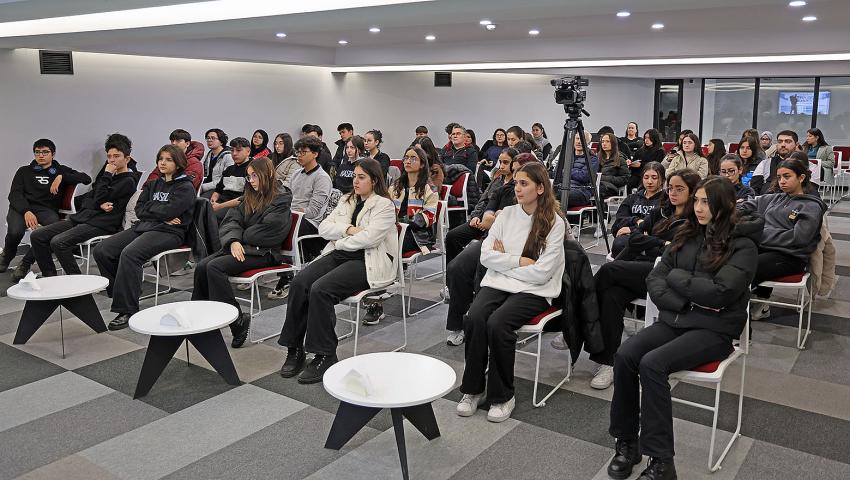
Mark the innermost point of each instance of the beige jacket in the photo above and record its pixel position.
(822, 263)
(676, 161)
(379, 237)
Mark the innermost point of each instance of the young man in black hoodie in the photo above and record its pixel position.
(34, 200)
(101, 213)
(231, 186)
(165, 210)
(346, 131)
(325, 160)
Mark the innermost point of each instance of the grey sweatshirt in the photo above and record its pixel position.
(791, 222)
(310, 193)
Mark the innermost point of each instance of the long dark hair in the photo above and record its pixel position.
(715, 156)
(798, 163)
(256, 150)
(755, 147)
(428, 146)
(259, 199)
(691, 179)
(659, 169)
(655, 137)
(357, 142)
(546, 213)
(373, 169)
(819, 134)
(721, 202)
(422, 177)
(540, 126)
(288, 151)
(614, 156)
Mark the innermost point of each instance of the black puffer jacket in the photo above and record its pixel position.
(580, 321)
(687, 294)
(454, 172)
(261, 232)
(614, 176)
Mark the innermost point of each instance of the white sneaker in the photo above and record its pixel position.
(469, 404)
(444, 294)
(278, 294)
(499, 412)
(243, 286)
(604, 377)
(455, 338)
(558, 342)
(759, 311)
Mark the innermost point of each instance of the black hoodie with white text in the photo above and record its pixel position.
(162, 201)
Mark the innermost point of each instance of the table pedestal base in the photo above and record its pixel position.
(350, 419)
(162, 348)
(36, 312)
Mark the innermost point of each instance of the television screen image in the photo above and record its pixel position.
(794, 103)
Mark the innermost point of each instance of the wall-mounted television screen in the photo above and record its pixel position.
(794, 103)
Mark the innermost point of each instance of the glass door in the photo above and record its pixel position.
(668, 109)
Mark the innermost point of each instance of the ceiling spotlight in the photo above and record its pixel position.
(810, 18)
(797, 3)
(534, 32)
(280, 35)
(430, 38)
(624, 14)
(343, 42)
(485, 22)
(491, 27)
(375, 30)
(657, 26)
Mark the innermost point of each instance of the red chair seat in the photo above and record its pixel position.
(709, 367)
(251, 273)
(410, 253)
(539, 318)
(577, 208)
(796, 278)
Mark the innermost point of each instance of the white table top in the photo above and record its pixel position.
(204, 316)
(398, 379)
(59, 287)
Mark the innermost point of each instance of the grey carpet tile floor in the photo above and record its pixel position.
(76, 418)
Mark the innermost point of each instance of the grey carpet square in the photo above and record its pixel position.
(18, 368)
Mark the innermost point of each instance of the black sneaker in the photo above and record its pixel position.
(294, 362)
(374, 314)
(317, 368)
(626, 457)
(4, 264)
(240, 328)
(659, 470)
(20, 272)
(120, 322)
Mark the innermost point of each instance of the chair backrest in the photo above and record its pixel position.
(844, 156)
(594, 147)
(290, 243)
(668, 146)
(458, 189)
(398, 164)
(401, 228)
(68, 195)
(651, 309)
(444, 192)
(704, 151)
(442, 223)
(143, 178)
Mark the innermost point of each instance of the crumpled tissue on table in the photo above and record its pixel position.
(30, 282)
(176, 317)
(358, 383)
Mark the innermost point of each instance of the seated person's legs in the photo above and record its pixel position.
(41, 239)
(16, 227)
(107, 253)
(458, 238)
(460, 278)
(45, 217)
(310, 249)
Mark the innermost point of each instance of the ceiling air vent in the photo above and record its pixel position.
(55, 63)
(442, 79)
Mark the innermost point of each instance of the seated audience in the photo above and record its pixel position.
(231, 185)
(345, 131)
(631, 139)
(538, 133)
(700, 289)
(792, 221)
(493, 148)
(457, 152)
(688, 157)
(260, 144)
(355, 149)
(514, 135)
(524, 257)
(638, 205)
(615, 172)
(472, 142)
(750, 154)
(194, 152)
(716, 151)
(765, 172)
(252, 235)
(325, 159)
(283, 158)
(623, 280)
(454, 173)
(652, 150)
(311, 191)
(101, 213)
(216, 161)
(35, 198)
(622, 147)
(816, 148)
(360, 254)
(164, 210)
(421, 131)
(581, 189)
(732, 168)
(372, 142)
(766, 142)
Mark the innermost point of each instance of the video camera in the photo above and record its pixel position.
(568, 91)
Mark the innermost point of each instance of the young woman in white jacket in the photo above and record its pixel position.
(362, 244)
(524, 256)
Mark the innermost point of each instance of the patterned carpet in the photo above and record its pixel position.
(75, 418)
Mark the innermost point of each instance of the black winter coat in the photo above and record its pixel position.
(454, 172)
(688, 294)
(261, 232)
(580, 320)
(116, 189)
(202, 237)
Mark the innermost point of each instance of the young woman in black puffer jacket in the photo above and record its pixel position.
(701, 288)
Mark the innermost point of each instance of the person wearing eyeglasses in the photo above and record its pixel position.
(35, 198)
(231, 185)
(216, 161)
(251, 236)
(732, 168)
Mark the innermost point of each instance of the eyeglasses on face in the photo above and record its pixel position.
(252, 176)
(41, 153)
(302, 152)
(410, 158)
(728, 172)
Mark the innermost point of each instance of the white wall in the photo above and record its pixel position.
(147, 97)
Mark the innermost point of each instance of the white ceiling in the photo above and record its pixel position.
(570, 30)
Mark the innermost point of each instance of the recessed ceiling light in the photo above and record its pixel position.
(810, 18)
(624, 14)
(657, 26)
(343, 42)
(430, 38)
(491, 27)
(797, 3)
(280, 35)
(485, 22)
(534, 32)
(375, 30)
